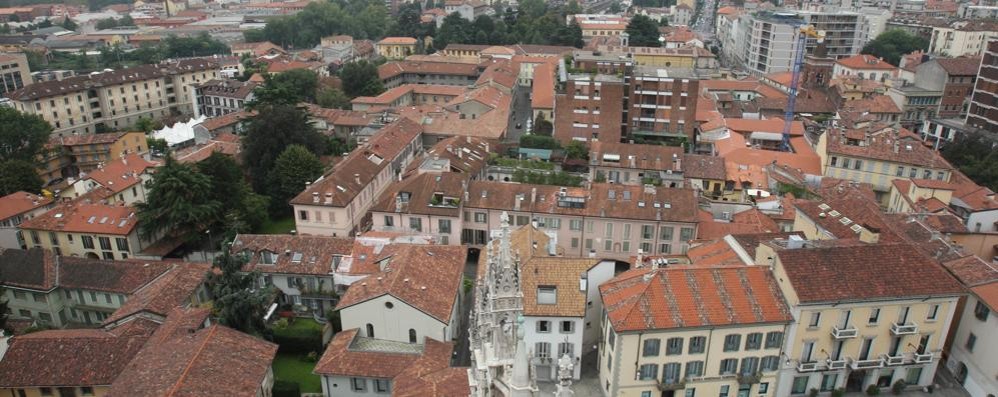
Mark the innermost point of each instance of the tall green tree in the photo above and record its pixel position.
(976, 156)
(643, 32)
(295, 166)
(267, 135)
(237, 302)
(23, 135)
(894, 43)
(179, 203)
(243, 209)
(454, 30)
(542, 126)
(17, 175)
(290, 87)
(333, 98)
(361, 79)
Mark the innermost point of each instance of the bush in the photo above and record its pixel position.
(283, 388)
(838, 392)
(898, 387)
(297, 340)
(312, 357)
(281, 324)
(538, 142)
(872, 390)
(813, 392)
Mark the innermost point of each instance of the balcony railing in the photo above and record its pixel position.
(749, 378)
(923, 358)
(672, 384)
(867, 364)
(845, 332)
(893, 360)
(904, 329)
(836, 364)
(810, 366)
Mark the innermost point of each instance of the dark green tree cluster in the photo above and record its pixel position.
(976, 156)
(361, 79)
(654, 3)
(22, 141)
(288, 88)
(362, 19)
(559, 178)
(542, 126)
(170, 47)
(534, 141)
(534, 23)
(294, 167)
(236, 300)
(408, 23)
(643, 32)
(110, 23)
(893, 44)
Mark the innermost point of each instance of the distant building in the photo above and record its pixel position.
(14, 73)
(396, 47)
(969, 37)
(220, 97)
(983, 113)
(16, 208)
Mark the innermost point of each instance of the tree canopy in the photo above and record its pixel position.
(275, 127)
(893, 44)
(295, 166)
(361, 79)
(534, 23)
(23, 135)
(362, 19)
(976, 156)
(643, 32)
(18, 175)
(242, 210)
(291, 87)
(237, 302)
(179, 203)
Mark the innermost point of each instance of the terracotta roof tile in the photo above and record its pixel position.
(422, 190)
(166, 293)
(67, 358)
(865, 62)
(397, 40)
(690, 297)
(319, 255)
(561, 273)
(883, 139)
(343, 357)
(109, 276)
(82, 217)
(543, 87)
(393, 69)
(33, 268)
(963, 66)
(988, 293)
(21, 202)
(972, 271)
(643, 157)
(121, 174)
(704, 167)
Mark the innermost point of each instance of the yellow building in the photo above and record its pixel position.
(676, 332)
(83, 229)
(917, 195)
(67, 157)
(14, 73)
(863, 314)
(396, 47)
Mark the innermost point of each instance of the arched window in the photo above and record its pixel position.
(370, 331)
(412, 335)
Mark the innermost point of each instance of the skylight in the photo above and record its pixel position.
(296, 258)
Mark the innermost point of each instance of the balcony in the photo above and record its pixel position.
(904, 329)
(671, 384)
(810, 366)
(748, 379)
(867, 364)
(893, 360)
(836, 364)
(923, 358)
(844, 332)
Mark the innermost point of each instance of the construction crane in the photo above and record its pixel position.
(804, 33)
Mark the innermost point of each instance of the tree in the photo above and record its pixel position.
(230, 189)
(576, 150)
(17, 175)
(290, 87)
(976, 156)
(361, 79)
(542, 126)
(534, 141)
(295, 166)
(643, 32)
(333, 98)
(157, 145)
(570, 35)
(237, 302)
(106, 23)
(894, 43)
(267, 135)
(23, 135)
(408, 22)
(147, 125)
(179, 203)
(615, 8)
(68, 24)
(454, 30)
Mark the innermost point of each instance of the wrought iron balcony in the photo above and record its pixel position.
(749, 378)
(893, 360)
(836, 364)
(904, 329)
(923, 358)
(671, 384)
(844, 332)
(867, 364)
(809, 366)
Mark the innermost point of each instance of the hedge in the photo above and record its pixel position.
(283, 388)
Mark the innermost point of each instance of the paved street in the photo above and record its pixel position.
(462, 353)
(519, 113)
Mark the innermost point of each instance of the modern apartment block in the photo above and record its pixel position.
(115, 100)
(845, 31)
(983, 112)
(14, 73)
(220, 97)
(770, 41)
(590, 108)
(969, 37)
(663, 104)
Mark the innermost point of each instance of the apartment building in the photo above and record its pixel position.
(16, 208)
(852, 327)
(606, 221)
(68, 156)
(636, 164)
(685, 57)
(973, 352)
(865, 67)
(983, 111)
(14, 73)
(115, 100)
(218, 97)
(602, 63)
(601, 25)
(336, 203)
(122, 181)
(407, 95)
(769, 43)
(394, 74)
(654, 347)
(955, 78)
(582, 114)
(845, 32)
(663, 104)
(86, 229)
(396, 47)
(959, 38)
(877, 153)
(427, 204)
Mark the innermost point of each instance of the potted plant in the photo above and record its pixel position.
(898, 387)
(872, 390)
(838, 392)
(813, 392)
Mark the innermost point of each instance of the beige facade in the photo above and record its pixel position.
(89, 245)
(14, 72)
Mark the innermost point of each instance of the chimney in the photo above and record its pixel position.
(533, 195)
(677, 163)
(869, 236)
(356, 178)
(315, 197)
(329, 198)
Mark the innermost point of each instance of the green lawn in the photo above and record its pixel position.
(278, 226)
(294, 368)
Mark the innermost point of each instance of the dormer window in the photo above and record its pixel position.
(296, 258)
(267, 257)
(547, 295)
(404, 197)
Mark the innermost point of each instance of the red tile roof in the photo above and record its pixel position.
(642, 156)
(746, 222)
(108, 276)
(397, 41)
(319, 254)
(988, 293)
(88, 139)
(858, 271)
(32, 269)
(67, 358)
(421, 190)
(426, 277)
(703, 167)
(171, 290)
(865, 62)
(543, 90)
(963, 66)
(972, 271)
(121, 174)
(412, 367)
(393, 69)
(21, 202)
(645, 299)
(910, 150)
(82, 217)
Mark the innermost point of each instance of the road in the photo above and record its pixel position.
(704, 18)
(462, 351)
(519, 113)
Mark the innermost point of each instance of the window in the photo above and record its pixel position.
(608, 231)
(389, 221)
(914, 375)
(731, 342)
(480, 217)
(611, 337)
(651, 347)
(763, 388)
(88, 242)
(845, 163)
(566, 348)
(981, 311)
(750, 365)
(690, 391)
(815, 320)
(694, 369)
(122, 243)
(665, 233)
(416, 224)
(370, 330)
(607, 245)
(835, 161)
(648, 372)
(933, 312)
(674, 346)
(697, 344)
(753, 341)
(728, 366)
(575, 224)
(857, 165)
(828, 382)
(547, 295)
(647, 232)
(770, 363)
(724, 391)
(543, 349)
(46, 391)
(799, 386)
(358, 384)
(643, 394)
(567, 327)
(382, 385)
(303, 215)
(443, 226)
(671, 373)
(412, 335)
(971, 340)
(774, 339)
(874, 315)
(543, 326)
(686, 234)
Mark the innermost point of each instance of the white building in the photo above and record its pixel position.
(973, 357)
(963, 38)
